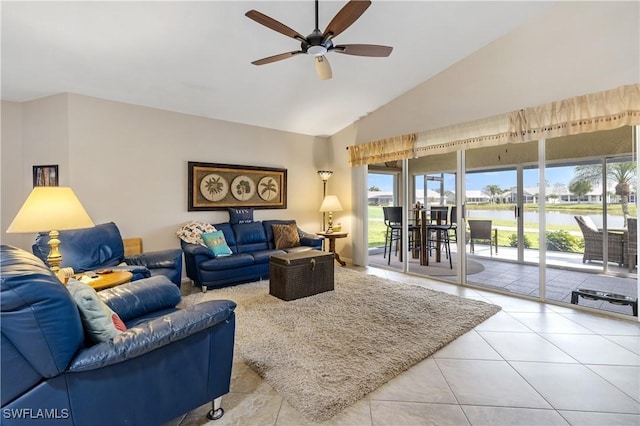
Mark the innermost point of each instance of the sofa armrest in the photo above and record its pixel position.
(170, 258)
(154, 334)
(308, 239)
(141, 297)
(197, 250)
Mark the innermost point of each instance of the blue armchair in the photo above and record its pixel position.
(102, 247)
(169, 361)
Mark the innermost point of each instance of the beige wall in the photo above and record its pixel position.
(14, 178)
(573, 49)
(128, 164)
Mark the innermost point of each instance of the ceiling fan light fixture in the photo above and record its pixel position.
(316, 50)
(323, 68)
(319, 43)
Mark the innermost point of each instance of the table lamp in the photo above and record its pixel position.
(51, 208)
(330, 204)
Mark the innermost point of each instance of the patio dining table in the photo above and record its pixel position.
(440, 226)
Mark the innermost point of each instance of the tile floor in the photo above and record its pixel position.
(530, 364)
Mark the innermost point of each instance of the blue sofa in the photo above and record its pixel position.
(252, 245)
(169, 361)
(101, 247)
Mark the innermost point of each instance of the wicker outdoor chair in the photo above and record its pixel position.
(632, 242)
(593, 242)
(480, 230)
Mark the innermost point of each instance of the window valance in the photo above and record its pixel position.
(583, 114)
(474, 134)
(606, 110)
(390, 149)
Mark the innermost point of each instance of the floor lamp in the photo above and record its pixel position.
(324, 175)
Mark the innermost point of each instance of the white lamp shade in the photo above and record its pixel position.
(50, 208)
(331, 204)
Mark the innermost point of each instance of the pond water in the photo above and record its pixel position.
(553, 217)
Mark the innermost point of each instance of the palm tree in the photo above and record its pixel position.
(492, 191)
(622, 174)
(580, 188)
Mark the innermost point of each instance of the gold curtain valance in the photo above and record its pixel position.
(390, 149)
(475, 134)
(606, 110)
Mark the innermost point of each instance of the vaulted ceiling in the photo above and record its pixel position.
(195, 57)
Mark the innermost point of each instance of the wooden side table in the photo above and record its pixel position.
(109, 280)
(332, 243)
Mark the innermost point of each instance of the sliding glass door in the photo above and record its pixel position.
(501, 215)
(382, 191)
(556, 217)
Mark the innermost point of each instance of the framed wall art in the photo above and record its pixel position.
(218, 186)
(45, 175)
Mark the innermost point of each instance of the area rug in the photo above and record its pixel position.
(325, 352)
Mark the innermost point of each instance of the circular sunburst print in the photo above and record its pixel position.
(214, 187)
(268, 188)
(242, 188)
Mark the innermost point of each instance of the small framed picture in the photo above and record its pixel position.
(45, 175)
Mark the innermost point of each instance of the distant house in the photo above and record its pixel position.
(380, 198)
(561, 194)
(434, 198)
(475, 196)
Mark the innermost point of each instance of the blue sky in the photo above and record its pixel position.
(477, 181)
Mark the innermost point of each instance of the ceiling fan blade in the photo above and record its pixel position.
(363, 50)
(275, 58)
(271, 23)
(345, 17)
(323, 68)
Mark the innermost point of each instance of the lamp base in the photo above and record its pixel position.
(55, 257)
(330, 225)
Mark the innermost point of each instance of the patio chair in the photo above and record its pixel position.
(480, 230)
(453, 218)
(593, 242)
(632, 242)
(393, 221)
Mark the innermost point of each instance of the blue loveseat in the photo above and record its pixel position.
(100, 247)
(252, 244)
(169, 361)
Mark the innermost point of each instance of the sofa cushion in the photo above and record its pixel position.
(250, 237)
(285, 236)
(227, 262)
(240, 215)
(216, 243)
(263, 256)
(141, 298)
(39, 317)
(99, 321)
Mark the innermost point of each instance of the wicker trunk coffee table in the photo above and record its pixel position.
(302, 274)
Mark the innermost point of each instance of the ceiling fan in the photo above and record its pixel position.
(320, 43)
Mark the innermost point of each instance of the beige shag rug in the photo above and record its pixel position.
(325, 352)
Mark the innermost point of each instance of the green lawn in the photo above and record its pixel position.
(377, 227)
